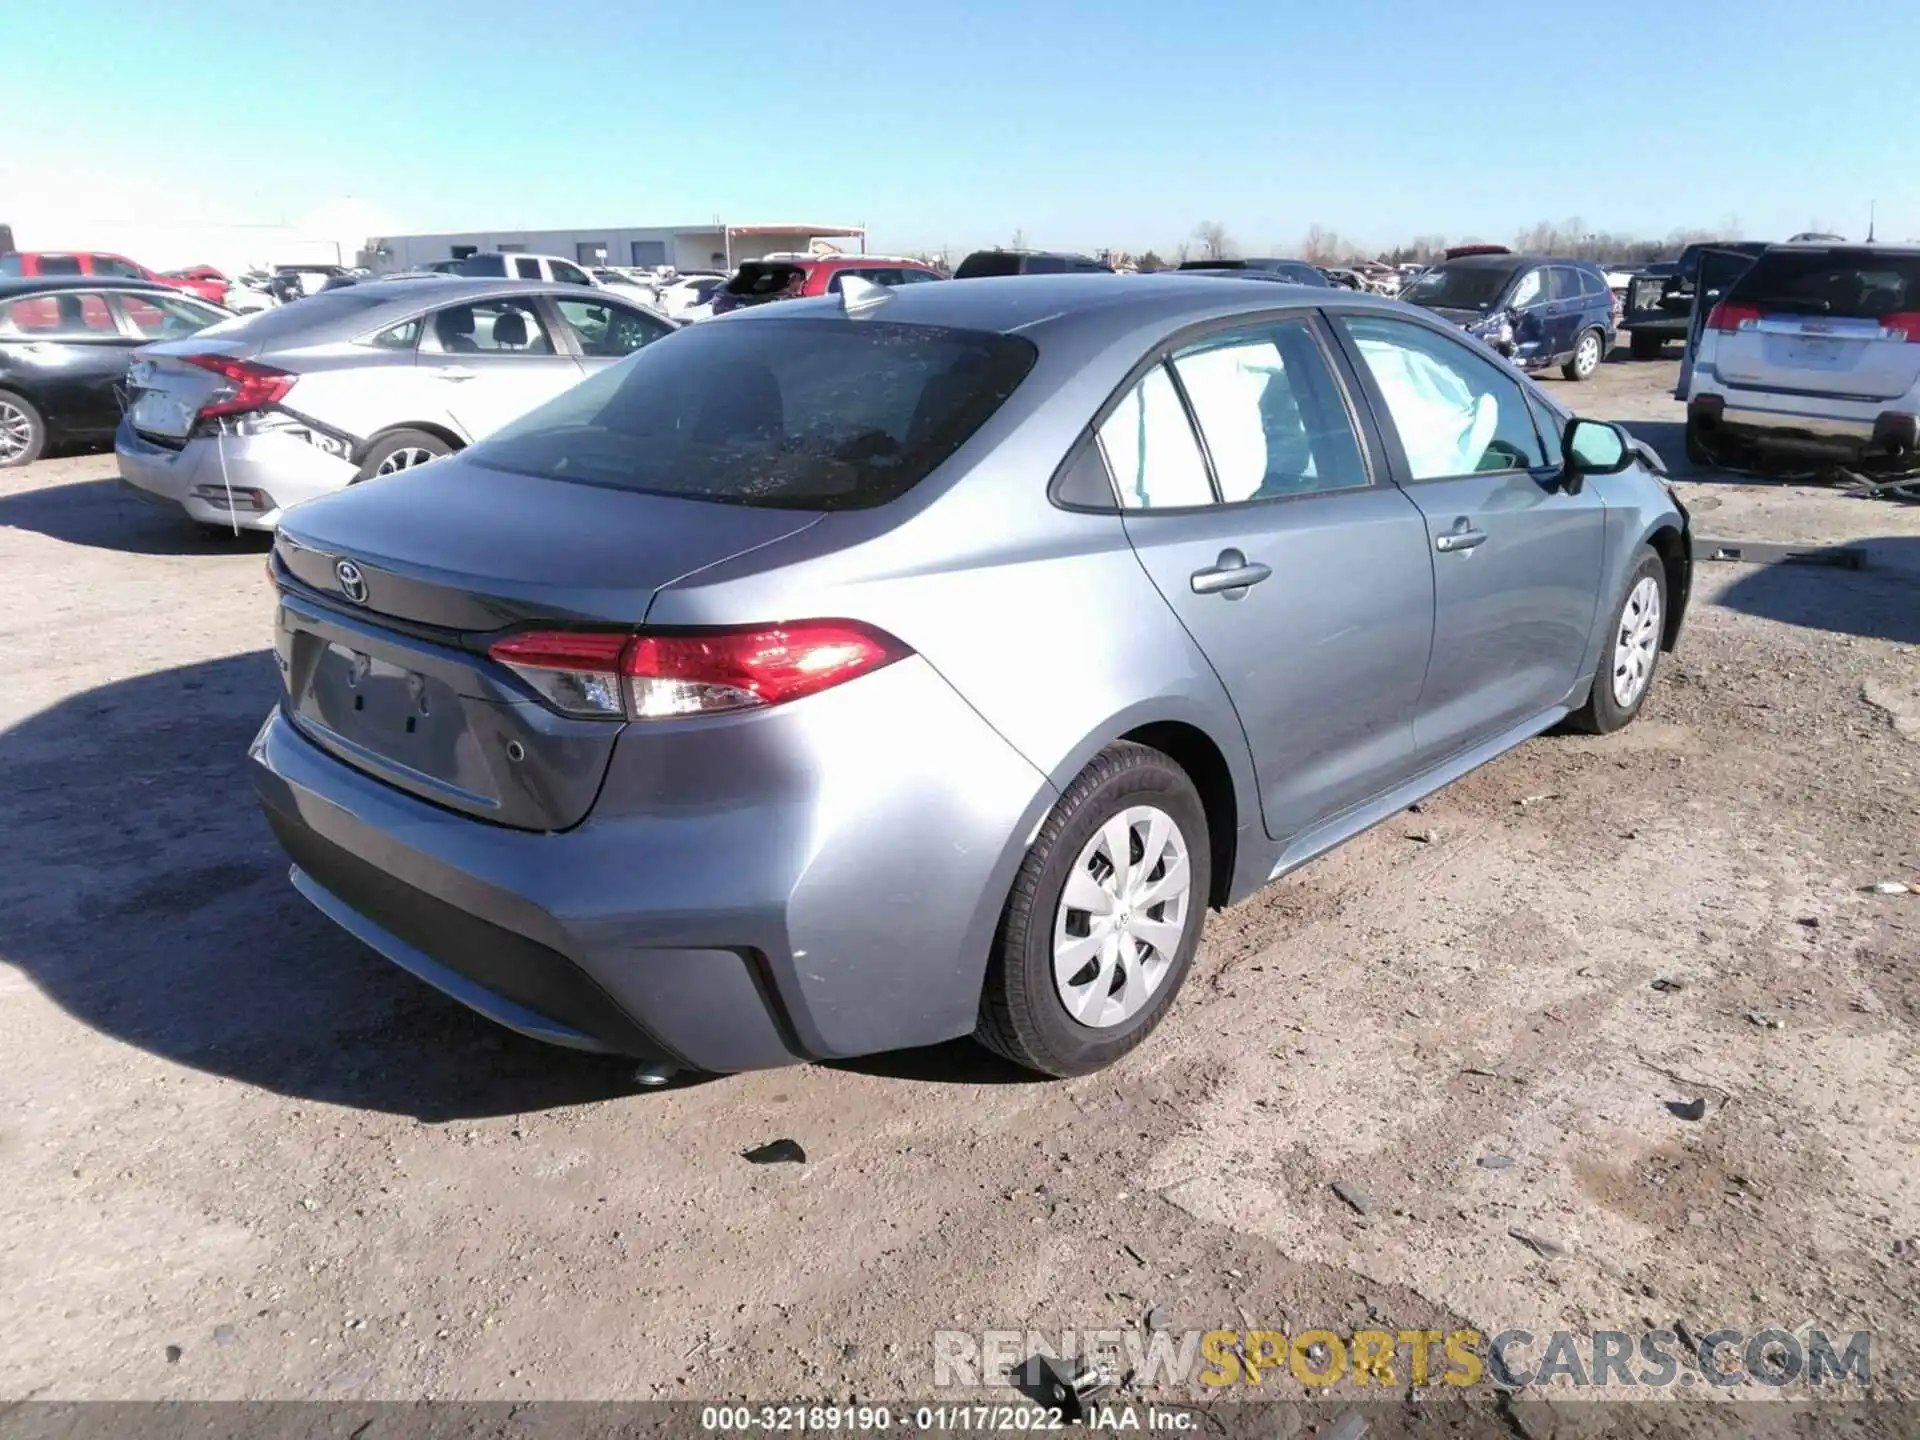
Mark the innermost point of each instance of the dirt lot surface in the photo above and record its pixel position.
(245, 1157)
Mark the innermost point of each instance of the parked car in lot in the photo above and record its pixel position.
(1298, 271)
(698, 714)
(1812, 354)
(690, 297)
(793, 277)
(100, 264)
(492, 265)
(983, 263)
(1659, 300)
(64, 346)
(237, 425)
(1535, 310)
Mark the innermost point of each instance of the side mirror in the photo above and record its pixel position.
(1592, 447)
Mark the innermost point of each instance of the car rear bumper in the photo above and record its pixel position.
(267, 474)
(1859, 431)
(831, 898)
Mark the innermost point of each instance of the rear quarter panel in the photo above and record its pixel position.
(360, 390)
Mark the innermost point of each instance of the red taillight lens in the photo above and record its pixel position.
(578, 673)
(1729, 317)
(663, 677)
(1904, 325)
(253, 386)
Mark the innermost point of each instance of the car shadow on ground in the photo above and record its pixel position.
(1881, 602)
(104, 515)
(142, 892)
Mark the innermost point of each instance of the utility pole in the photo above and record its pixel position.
(1872, 207)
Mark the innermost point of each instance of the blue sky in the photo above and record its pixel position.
(1077, 124)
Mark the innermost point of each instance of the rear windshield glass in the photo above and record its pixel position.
(1861, 284)
(318, 309)
(757, 278)
(988, 262)
(827, 414)
(1459, 287)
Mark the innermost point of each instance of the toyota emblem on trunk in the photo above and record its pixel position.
(353, 584)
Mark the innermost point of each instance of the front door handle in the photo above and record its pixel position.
(454, 372)
(1461, 539)
(1231, 573)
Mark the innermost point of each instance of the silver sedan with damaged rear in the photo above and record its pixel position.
(864, 672)
(257, 414)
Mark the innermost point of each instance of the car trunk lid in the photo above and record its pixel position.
(388, 605)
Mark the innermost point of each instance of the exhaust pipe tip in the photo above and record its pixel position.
(651, 1075)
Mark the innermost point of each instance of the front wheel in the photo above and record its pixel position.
(1588, 351)
(1104, 917)
(1633, 650)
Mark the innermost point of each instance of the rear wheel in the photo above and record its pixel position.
(1104, 917)
(1588, 351)
(1644, 346)
(23, 434)
(402, 450)
(1633, 650)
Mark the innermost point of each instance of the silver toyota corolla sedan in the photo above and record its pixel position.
(859, 673)
(260, 413)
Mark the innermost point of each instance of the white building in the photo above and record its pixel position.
(714, 246)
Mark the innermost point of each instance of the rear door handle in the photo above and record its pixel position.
(454, 372)
(1462, 539)
(1231, 572)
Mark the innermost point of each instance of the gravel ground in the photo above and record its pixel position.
(229, 1129)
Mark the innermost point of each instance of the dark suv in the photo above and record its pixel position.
(1535, 310)
(1659, 304)
(1027, 262)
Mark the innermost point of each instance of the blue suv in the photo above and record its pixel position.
(1534, 310)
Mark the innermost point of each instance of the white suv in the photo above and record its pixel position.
(1812, 355)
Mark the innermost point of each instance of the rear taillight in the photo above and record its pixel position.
(250, 385)
(608, 676)
(1729, 317)
(1904, 325)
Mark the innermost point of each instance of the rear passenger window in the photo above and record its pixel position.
(1592, 284)
(526, 269)
(1151, 451)
(1271, 413)
(403, 336)
(1455, 413)
(1563, 283)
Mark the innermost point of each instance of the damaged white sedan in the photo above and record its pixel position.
(256, 414)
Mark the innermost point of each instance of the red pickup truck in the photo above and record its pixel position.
(201, 280)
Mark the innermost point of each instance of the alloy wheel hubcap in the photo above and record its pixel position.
(1589, 357)
(404, 459)
(16, 432)
(1638, 642)
(1121, 917)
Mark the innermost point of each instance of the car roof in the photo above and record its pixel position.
(374, 305)
(1092, 305)
(13, 286)
(1825, 246)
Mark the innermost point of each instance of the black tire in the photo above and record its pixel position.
(1022, 1014)
(1699, 452)
(1603, 713)
(28, 414)
(397, 442)
(1644, 346)
(1579, 368)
